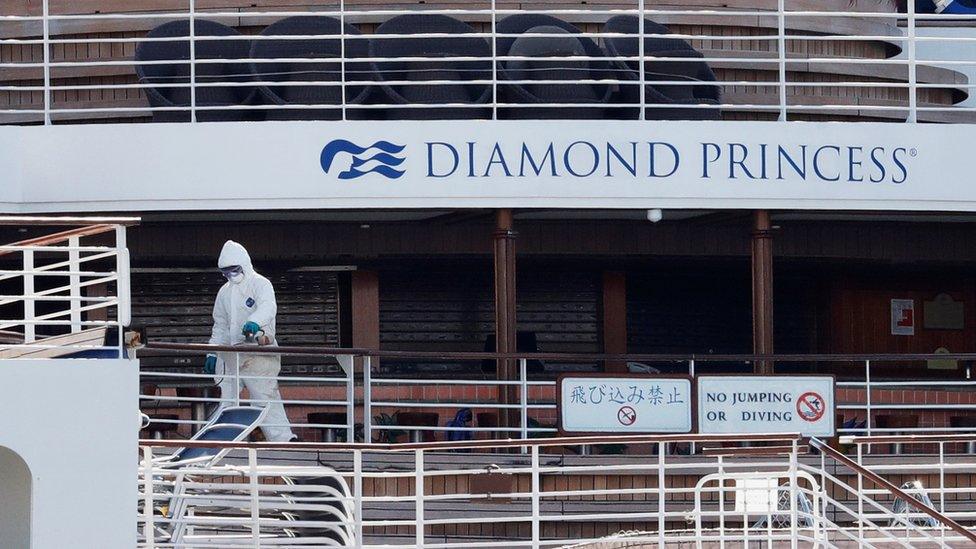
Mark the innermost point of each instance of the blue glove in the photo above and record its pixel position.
(250, 328)
(210, 365)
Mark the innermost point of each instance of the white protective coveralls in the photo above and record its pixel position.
(251, 299)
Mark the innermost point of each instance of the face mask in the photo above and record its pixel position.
(233, 273)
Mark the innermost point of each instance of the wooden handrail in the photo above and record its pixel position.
(569, 357)
(62, 236)
(471, 444)
(895, 491)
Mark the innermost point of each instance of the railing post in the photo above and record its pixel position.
(74, 284)
(661, 500)
(350, 400)
(367, 399)
(720, 463)
(494, 62)
(524, 401)
(942, 466)
(193, 62)
(860, 490)
(237, 379)
(912, 72)
(691, 372)
(46, 9)
(640, 59)
(867, 397)
(29, 326)
(252, 462)
(419, 497)
(781, 50)
(149, 525)
(794, 515)
(536, 496)
(123, 289)
(819, 508)
(357, 486)
(342, 65)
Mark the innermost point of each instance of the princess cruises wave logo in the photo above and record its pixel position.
(380, 157)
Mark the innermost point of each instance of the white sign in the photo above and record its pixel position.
(903, 317)
(766, 404)
(487, 164)
(624, 404)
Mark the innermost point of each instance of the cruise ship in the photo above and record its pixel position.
(443, 274)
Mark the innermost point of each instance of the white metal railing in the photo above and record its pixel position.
(66, 291)
(780, 54)
(375, 405)
(941, 465)
(429, 495)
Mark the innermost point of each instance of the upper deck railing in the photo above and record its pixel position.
(223, 60)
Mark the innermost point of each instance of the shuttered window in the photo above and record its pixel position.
(177, 307)
(453, 310)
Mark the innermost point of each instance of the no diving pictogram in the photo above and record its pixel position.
(810, 406)
(626, 415)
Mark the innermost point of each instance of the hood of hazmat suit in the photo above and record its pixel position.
(249, 300)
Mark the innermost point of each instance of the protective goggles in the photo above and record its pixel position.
(232, 271)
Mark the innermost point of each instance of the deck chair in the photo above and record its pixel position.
(230, 424)
(293, 51)
(427, 64)
(324, 499)
(151, 69)
(532, 80)
(778, 513)
(908, 512)
(679, 63)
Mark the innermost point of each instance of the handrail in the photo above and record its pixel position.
(908, 439)
(62, 236)
(81, 221)
(471, 444)
(895, 491)
(358, 351)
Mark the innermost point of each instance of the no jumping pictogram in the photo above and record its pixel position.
(810, 406)
(626, 415)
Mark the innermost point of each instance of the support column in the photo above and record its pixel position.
(762, 290)
(364, 317)
(507, 370)
(365, 309)
(615, 319)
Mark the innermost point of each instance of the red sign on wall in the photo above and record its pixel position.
(903, 317)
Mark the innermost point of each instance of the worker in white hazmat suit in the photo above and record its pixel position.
(246, 306)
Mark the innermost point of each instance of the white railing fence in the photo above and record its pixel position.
(939, 466)
(476, 494)
(472, 69)
(369, 404)
(892, 496)
(66, 291)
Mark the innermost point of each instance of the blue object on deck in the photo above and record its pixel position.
(952, 7)
(96, 353)
(958, 7)
(461, 419)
